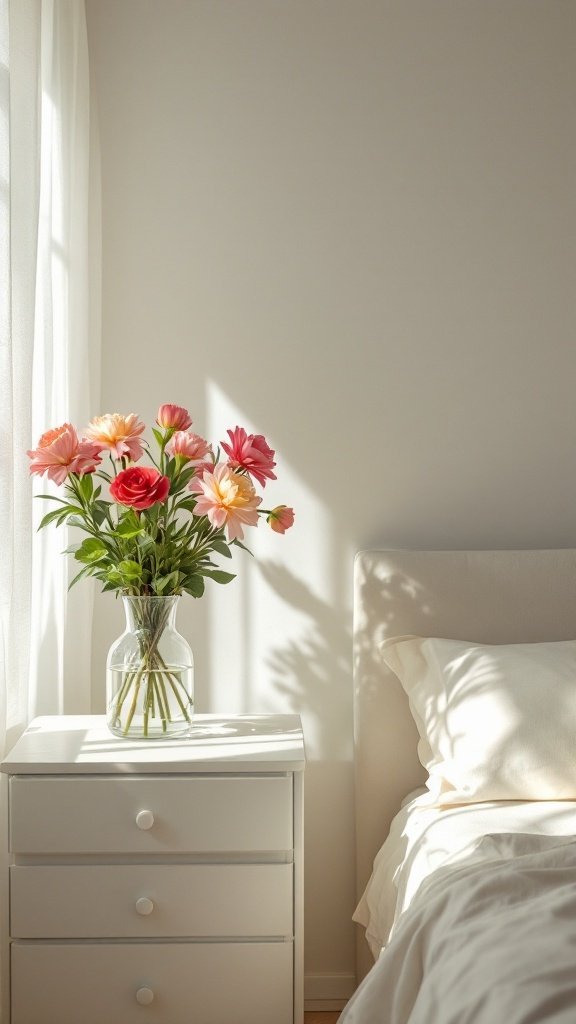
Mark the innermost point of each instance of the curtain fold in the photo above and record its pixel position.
(49, 285)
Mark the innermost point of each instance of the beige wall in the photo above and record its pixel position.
(349, 225)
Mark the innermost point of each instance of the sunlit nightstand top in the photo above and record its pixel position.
(82, 744)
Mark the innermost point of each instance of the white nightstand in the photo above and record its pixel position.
(156, 882)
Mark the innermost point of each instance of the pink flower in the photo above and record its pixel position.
(250, 452)
(188, 446)
(173, 417)
(281, 518)
(203, 467)
(227, 498)
(59, 453)
(139, 487)
(117, 433)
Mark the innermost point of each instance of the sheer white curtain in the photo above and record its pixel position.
(49, 297)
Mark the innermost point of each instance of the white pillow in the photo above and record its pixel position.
(495, 722)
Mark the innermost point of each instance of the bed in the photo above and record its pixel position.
(465, 662)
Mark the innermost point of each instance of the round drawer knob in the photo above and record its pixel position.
(144, 996)
(144, 820)
(144, 906)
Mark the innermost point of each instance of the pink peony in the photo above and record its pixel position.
(117, 433)
(227, 498)
(60, 452)
(173, 417)
(188, 446)
(281, 518)
(250, 452)
(139, 487)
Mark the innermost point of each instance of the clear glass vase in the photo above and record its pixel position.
(150, 673)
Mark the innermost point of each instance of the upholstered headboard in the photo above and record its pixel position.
(486, 596)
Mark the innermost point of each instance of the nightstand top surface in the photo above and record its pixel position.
(82, 744)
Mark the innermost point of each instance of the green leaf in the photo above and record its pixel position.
(70, 550)
(91, 550)
(115, 578)
(188, 504)
(129, 569)
(218, 575)
(86, 486)
(146, 545)
(239, 544)
(194, 585)
(50, 517)
(222, 548)
(184, 477)
(159, 436)
(76, 521)
(170, 582)
(149, 517)
(86, 571)
(60, 514)
(100, 512)
(128, 529)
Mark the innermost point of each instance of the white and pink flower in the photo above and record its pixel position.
(227, 499)
(118, 434)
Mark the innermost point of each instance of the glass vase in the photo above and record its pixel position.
(150, 673)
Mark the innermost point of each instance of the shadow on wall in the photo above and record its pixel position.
(387, 602)
(313, 673)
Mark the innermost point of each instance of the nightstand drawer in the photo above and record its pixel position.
(151, 901)
(150, 815)
(223, 983)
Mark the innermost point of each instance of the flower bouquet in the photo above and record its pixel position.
(152, 534)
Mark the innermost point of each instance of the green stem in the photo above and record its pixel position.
(174, 683)
(163, 705)
(133, 707)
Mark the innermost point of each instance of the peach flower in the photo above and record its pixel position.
(227, 498)
(250, 452)
(190, 447)
(119, 434)
(60, 452)
(281, 518)
(173, 417)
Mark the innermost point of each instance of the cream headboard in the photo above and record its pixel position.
(487, 596)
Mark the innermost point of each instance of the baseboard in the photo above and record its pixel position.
(328, 991)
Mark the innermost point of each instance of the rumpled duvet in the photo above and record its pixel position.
(490, 938)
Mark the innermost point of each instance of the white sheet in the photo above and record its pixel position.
(489, 937)
(423, 838)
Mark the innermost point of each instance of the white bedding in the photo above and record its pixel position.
(423, 838)
(471, 908)
(490, 937)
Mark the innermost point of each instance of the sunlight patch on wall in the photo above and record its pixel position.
(272, 631)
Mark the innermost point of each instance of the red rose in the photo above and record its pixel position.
(139, 487)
